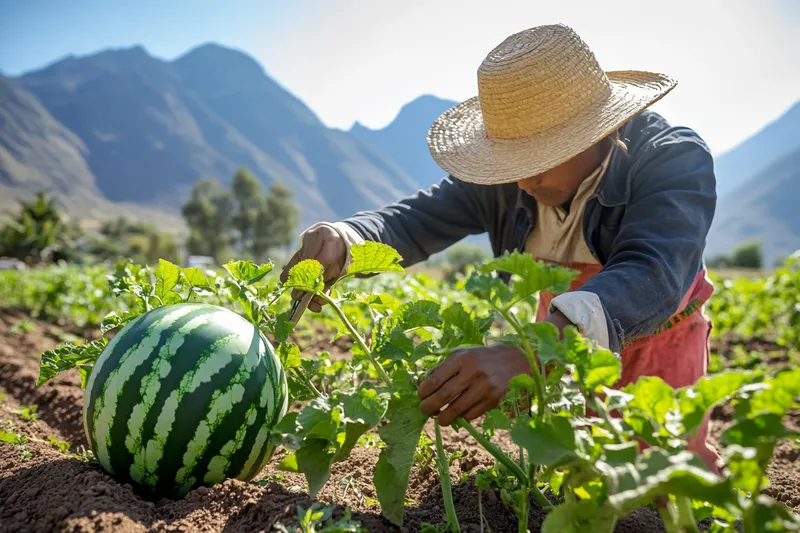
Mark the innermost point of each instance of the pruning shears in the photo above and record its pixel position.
(299, 307)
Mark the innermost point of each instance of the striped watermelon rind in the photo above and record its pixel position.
(185, 395)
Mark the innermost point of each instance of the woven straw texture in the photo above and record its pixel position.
(542, 99)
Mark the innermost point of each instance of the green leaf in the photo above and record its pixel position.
(494, 420)
(523, 382)
(363, 409)
(283, 327)
(289, 463)
(307, 275)
(28, 413)
(491, 289)
(401, 434)
(579, 516)
(320, 419)
(783, 390)
(68, 356)
(394, 346)
(12, 438)
(621, 454)
(59, 445)
(171, 298)
(111, 322)
(461, 329)
(248, 272)
(372, 258)
(195, 278)
(652, 397)
(658, 473)
(314, 460)
(167, 276)
(379, 302)
(419, 314)
(696, 401)
(547, 345)
(548, 444)
(759, 432)
(289, 354)
(601, 369)
(532, 276)
(771, 515)
(745, 468)
(365, 405)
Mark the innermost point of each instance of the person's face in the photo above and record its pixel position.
(554, 187)
(558, 185)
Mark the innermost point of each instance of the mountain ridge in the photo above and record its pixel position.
(153, 128)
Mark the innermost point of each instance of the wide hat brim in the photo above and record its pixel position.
(460, 146)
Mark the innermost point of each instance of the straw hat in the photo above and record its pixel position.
(542, 99)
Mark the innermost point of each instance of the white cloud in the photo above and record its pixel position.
(737, 62)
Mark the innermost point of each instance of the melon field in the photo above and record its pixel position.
(162, 398)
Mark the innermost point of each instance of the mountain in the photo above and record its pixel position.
(37, 152)
(763, 208)
(741, 163)
(404, 139)
(331, 166)
(151, 129)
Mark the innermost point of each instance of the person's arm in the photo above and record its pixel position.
(424, 223)
(659, 248)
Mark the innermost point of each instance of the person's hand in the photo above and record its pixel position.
(326, 246)
(472, 381)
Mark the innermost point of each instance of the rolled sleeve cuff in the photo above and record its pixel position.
(347, 232)
(585, 311)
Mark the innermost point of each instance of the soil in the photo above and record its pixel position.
(50, 491)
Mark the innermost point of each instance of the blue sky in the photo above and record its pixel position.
(35, 32)
(737, 61)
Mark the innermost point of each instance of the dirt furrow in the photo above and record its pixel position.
(49, 491)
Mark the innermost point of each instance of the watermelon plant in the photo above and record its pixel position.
(578, 437)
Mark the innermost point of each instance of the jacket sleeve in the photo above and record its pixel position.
(658, 251)
(429, 221)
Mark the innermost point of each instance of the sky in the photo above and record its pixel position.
(737, 62)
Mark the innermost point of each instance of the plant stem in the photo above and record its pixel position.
(686, 515)
(668, 514)
(600, 408)
(357, 338)
(307, 382)
(490, 447)
(523, 511)
(539, 496)
(521, 449)
(444, 480)
(537, 375)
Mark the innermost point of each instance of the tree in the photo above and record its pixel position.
(37, 233)
(246, 191)
(277, 221)
(209, 215)
(141, 242)
(747, 255)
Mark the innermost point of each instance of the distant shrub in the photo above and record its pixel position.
(746, 255)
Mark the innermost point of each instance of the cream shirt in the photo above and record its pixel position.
(558, 236)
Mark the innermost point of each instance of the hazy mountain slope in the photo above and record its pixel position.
(764, 208)
(404, 139)
(774, 141)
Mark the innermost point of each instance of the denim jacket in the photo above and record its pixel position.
(646, 223)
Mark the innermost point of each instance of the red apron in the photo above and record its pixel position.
(677, 352)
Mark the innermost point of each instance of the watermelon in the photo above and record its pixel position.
(184, 395)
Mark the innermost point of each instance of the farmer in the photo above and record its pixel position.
(557, 158)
